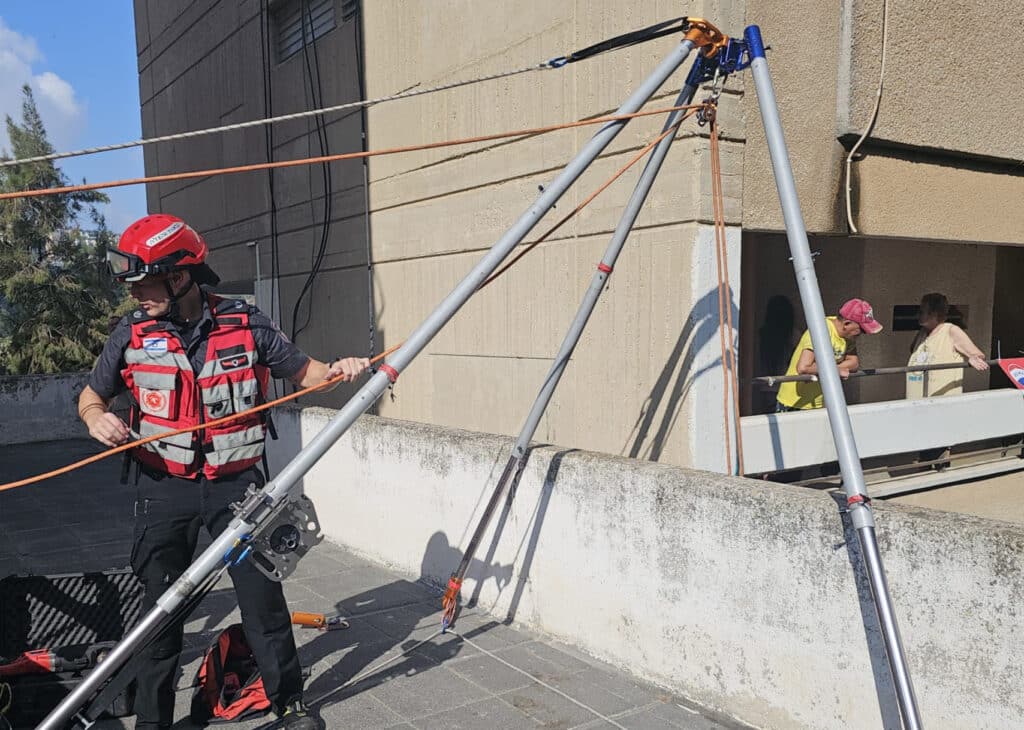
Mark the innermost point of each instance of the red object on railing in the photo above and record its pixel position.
(1014, 369)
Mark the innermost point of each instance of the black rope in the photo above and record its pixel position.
(658, 30)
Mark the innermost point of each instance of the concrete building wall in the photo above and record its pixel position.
(203, 64)
(46, 408)
(647, 360)
(645, 380)
(748, 597)
(936, 166)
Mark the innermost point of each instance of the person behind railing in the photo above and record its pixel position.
(939, 341)
(855, 316)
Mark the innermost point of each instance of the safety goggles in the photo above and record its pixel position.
(131, 268)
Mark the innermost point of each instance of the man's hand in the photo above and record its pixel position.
(349, 368)
(844, 373)
(108, 429)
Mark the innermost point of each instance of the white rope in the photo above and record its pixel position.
(374, 669)
(871, 122)
(542, 683)
(391, 660)
(271, 120)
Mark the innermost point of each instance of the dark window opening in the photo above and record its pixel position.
(905, 317)
(299, 23)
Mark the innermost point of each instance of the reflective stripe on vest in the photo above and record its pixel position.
(169, 395)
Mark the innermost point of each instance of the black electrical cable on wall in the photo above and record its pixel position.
(316, 94)
(268, 137)
(357, 14)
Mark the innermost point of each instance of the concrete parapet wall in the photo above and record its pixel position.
(746, 596)
(40, 407)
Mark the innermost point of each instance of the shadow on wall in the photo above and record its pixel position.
(774, 348)
(412, 603)
(651, 432)
(528, 542)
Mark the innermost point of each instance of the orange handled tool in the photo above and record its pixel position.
(318, 621)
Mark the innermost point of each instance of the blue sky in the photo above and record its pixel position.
(80, 59)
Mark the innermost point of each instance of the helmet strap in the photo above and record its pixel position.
(174, 312)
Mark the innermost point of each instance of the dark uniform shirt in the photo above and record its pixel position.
(273, 349)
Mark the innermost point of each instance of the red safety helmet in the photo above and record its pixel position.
(158, 244)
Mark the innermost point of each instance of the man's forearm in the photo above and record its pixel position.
(314, 373)
(90, 405)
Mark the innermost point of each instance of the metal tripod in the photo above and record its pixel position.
(264, 504)
(517, 459)
(835, 400)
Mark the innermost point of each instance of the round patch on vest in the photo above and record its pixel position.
(155, 400)
(1017, 373)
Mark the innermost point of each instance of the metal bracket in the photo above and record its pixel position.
(282, 533)
(730, 58)
(704, 36)
(285, 538)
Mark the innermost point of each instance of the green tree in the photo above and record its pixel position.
(55, 298)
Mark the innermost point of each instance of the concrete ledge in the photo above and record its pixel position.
(746, 596)
(790, 440)
(40, 408)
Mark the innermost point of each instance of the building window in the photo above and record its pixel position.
(300, 22)
(904, 317)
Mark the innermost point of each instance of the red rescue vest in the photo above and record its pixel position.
(169, 395)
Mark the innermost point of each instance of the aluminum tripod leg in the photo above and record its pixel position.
(277, 490)
(517, 459)
(828, 374)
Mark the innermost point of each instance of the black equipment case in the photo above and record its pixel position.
(74, 616)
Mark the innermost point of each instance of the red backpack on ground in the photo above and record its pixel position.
(228, 685)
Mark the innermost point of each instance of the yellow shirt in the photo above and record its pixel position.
(807, 395)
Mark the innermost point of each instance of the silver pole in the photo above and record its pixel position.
(611, 254)
(277, 490)
(828, 375)
(517, 459)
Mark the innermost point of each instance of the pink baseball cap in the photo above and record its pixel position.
(860, 311)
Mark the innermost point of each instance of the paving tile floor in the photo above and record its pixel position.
(389, 669)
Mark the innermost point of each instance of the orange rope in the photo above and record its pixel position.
(335, 158)
(729, 375)
(639, 155)
(270, 404)
(218, 422)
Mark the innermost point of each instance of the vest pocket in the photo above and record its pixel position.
(157, 393)
(217, 400)
(245, 394)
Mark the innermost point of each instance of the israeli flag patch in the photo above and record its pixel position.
(154, 344)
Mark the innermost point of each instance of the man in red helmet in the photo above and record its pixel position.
(186, 357)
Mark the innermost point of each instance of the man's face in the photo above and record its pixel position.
(151, 292)
(848, 329)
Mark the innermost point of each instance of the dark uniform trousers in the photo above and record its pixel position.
(169, 513)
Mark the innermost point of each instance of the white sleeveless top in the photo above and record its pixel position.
(936, 348)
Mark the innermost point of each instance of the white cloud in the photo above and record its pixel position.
(62, 113)
(19, 45)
